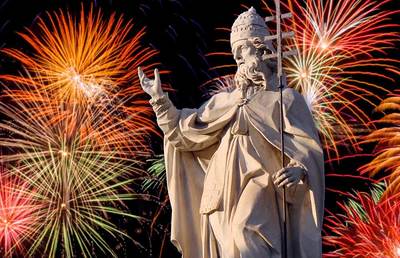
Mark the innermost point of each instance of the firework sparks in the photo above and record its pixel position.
(79, 58)
(33, 126)
(337, 43)
(79, 193)
(79, 181)
(388, 149)
(18, 215)
(346, 26)
(368, 227)
(91, 61)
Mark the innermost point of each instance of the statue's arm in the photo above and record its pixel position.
(166, 112)
(185, 128)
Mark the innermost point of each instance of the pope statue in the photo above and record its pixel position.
(223, 165)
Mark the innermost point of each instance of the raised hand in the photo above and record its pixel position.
(151, 87)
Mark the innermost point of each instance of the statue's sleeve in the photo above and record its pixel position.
(193, 129)
(188, 133)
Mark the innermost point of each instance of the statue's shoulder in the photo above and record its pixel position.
(222, 100)
(226, 96)
(293, 98)
(291, 93)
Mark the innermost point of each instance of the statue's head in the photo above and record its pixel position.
(249, 49)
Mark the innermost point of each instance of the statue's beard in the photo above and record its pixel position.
(250, 74)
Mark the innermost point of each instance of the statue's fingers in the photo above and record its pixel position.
(156, 75)
(280, 172)
(284, 182)
(280, 179)
(291, 184)
(141, 74)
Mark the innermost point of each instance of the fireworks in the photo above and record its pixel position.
(349, 27)
(78, 182)
(80, 58)
(314, 74)
(337, 43)
(79, 193)
(89, 61)
(388, 148)
(74, 130)
(18, 215)
(368, 227)
(35, 127)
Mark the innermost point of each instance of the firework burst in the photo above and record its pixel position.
(369, 226)
(337, 43)
(78, 58)
(347, 26)
(89, 60)
(18, 215)
(80, 193)
(80, 182)
(388, 144)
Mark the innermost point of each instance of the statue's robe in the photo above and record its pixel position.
(219, 163)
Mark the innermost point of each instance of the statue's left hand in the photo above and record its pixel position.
(151, 87)
(288, 176)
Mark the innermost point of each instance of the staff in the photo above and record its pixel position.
(280, 55)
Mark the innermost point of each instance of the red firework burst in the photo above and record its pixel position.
(368, 227)
(18, 215)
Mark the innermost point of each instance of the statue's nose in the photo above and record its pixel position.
(237, 56)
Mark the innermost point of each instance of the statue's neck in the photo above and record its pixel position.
(250, 91)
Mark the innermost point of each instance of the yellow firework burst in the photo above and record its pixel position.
(78, 181)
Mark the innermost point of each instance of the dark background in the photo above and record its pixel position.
(184, 32)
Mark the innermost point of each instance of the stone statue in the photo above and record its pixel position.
(223, 162)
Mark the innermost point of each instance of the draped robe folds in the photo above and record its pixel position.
(219, 161)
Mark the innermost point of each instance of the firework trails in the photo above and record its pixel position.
(368, 227)
(19, 215)
(75, 128)
(337, 43)
(388, 148)
(89, 60)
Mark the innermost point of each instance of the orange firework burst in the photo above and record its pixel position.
(79, 58)
(18, 215)
(368, 227)
(90, 61)
(388, 144)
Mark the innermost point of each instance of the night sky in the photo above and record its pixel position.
(184, 32)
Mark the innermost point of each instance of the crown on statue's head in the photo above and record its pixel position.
(249, 24)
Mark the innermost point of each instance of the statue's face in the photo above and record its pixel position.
(243, 52)
(251, 69)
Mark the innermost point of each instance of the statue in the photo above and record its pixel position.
(223, 165)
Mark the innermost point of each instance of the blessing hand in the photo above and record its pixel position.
(151, 87)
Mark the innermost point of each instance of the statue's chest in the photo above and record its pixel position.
(240, 123)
